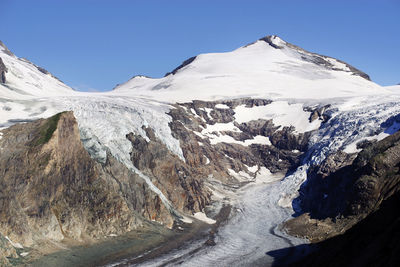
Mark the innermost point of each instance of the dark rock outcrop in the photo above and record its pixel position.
(346, 188)
(371, 242)
(268, 39)
(4, 48)
(318, 113)
(315, 58)
(184, 64)
(3, 71)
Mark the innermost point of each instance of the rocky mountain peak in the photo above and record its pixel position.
(4, 48)
(274, 41)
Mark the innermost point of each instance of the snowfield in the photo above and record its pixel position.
(360, 109)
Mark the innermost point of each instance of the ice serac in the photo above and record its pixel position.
(268, 68)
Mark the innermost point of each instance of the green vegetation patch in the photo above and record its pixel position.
(47, 129)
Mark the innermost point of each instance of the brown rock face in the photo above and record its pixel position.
(182, 184)
(52, 189)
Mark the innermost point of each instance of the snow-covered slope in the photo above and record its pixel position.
(394, 88)
(26, 80)
(269, 68)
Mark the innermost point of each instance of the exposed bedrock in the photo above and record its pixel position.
(3, 71)
(282, 152)
(51, 189)
(345, 188)
(180, 183)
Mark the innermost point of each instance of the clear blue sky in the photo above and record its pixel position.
(95, 44)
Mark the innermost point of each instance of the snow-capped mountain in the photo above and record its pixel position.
(241, 129)
(269, 68)
(23, 79)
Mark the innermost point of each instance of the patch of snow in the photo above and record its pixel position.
(252, 169)
(202, 217)
(258, 139)
(222, 106)
(336, 64)
(282, 114)
(352, 148)
(199, 134)
(265, 176)
(219, 127)
(185, 219)
(240, 176)
(196, 115)
(207, 160)
(14, 244)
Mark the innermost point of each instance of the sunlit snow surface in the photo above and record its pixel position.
(256, 70)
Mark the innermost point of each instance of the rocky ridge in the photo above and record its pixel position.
(346, 188)
(51, 190)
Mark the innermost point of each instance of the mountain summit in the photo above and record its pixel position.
(269, 67)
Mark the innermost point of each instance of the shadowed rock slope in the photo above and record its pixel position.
(372, 242)
(346, 188)
(357, 199)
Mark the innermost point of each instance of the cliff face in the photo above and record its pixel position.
(52, 190)
(346, 188)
